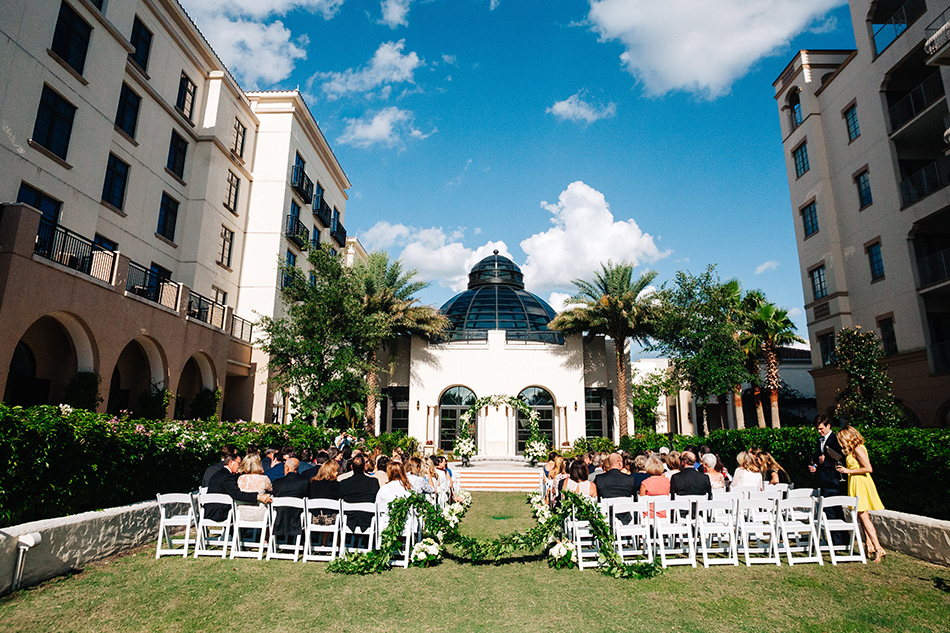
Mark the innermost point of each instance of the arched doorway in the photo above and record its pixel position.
(454, 402)
(45, 359)
(541, 401)
(197, 374)
(131, 379)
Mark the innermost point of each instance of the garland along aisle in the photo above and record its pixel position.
(443, 525)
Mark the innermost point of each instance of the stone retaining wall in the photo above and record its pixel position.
(921, 537)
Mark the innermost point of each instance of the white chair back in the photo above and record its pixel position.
(674, 532)
(212, 534)
(798, 530)
(175, 511)
(854, 550)
(321, 542)
(757, 531)
(357, 539)
(297, 507)
(716, 531)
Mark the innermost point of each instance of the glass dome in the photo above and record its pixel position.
(496, 300)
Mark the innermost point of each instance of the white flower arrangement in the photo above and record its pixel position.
(562, 554)
(536, 451)
(453, 513)
(465, 497)
(464, 447)
(425, 552)
(65, 409)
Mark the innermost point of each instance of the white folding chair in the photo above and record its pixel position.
(675, 529)
(207, 540)
(826, 526)
(796, 521)
(798, 493)
(744, 491)
(716, 531)
(633, 539)
(167, 522)
(757, 520)
(280, 550)
(783, 488)
(256, 529)
(587, 547)
(400, 557)
(769, 493)
(357, 539)
(315, 535)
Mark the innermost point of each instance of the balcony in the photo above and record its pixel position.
(297, 232)
(323, 212)
(241, 328)
(888, 30)
(916, 101)
(338, 233)
(934, 268)
(74, 251)
(144, 283)
(206, 310)
(315, 242)
(934, 176)
(301, 183)
(938, 38)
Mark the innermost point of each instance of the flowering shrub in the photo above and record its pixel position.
(425, 553)
(562, 555)
(536, 451)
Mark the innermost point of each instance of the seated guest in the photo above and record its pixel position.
(306, 461)
(673, 464)
(772, 472)
(254, 480)
(613, 483)
(422, 483)
(225, 481)
(276, 470)
(324, 485)
(292, 484)
(656, 484)
(445, 476)
(381, 463)
(747, 474)
(597, 465)
(397, 487)
(225, 451)
(359, 488)
(713, 468)
(578, 482)
(639, 474)
(689, 481)
(268, 459)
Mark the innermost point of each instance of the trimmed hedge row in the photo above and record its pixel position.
(60, 461)
(911, 466)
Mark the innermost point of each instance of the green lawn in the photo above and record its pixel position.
(138, 593)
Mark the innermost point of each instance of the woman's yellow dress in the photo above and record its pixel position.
(862, 487)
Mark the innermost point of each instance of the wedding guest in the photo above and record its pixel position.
(673, 464)
(639, 474)
(380, 473)
(713, 467)
(421, 482)
(689, 481)
(773, 472)
(324, 485)
(359, 488)
(578, 482)
(397, 487)
(656, 484)
(224, 453)
(747, 474)
(225, 481)
(858, 468)
(253, 479)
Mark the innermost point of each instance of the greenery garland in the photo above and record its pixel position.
(536, 446)
(443, 525)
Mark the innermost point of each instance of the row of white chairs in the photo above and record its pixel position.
(252, 538)
(674, 529)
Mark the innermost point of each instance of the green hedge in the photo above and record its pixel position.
(60, 461)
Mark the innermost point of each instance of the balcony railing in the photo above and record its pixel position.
(297, 232)
(302, 183)
(890, 29)
(934, 268)
(916, 101)
(323, 212)
(934, 176)
(522, 336)
(74, 251)
(938, 33)
(315, 242)
(338, 233)
(145, 283)
(206, 310)
(242, 328)
(940, 353)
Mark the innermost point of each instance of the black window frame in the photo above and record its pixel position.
(46, 204)
(810, 218)
(127, 112)
(819, 284)
(863, 182)
(168, 217)
(851, 123)
(54, 122)
(187, 91)
(239, 138)
(826, 349)
(800, 157)
(71, 38)
(888, 336)
(177, 153)
(116, 182)
(227, 246)
(105, 243)
(875, 261)
(234, 190)
(141, 39)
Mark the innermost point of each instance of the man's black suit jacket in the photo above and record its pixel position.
(690, 481)
(829, 478)
(613, 484)
(210, 472)
(225, 482)
(359, 488)
(287, 521)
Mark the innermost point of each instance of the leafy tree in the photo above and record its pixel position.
(612, 304)
(695, 329)
(866, 399)
(82, 392)
(769, 329)
(389, 308)
(645, 396)
(318, 350)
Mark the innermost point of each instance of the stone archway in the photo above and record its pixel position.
(139, 371)
(541, 400)
(197, 374)
(454, 402)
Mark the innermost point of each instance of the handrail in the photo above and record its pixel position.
(297, 231)
(934, 268)
(924, 182)
(72, 250)
(938, 32)
(206, 310)
(338, 233)
(241, 328)
(144, 283)
(894, 26)
(916, 101)
(302, 183)
(323, 212)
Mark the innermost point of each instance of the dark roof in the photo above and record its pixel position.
(794, 353)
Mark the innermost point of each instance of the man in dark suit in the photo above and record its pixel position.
(210, 471)
(292, 484)
(689, 481)
(824, 463)
(359, 488)
(613, 484)
(225, 482)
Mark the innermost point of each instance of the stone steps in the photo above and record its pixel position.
(498, 480)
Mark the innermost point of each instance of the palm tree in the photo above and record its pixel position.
(770, 328)
(387, 296)
(611, 304)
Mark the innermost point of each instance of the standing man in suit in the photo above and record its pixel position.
(225, 482)
(359, 488)
(824, 462)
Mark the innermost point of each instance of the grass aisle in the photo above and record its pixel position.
(138, 593)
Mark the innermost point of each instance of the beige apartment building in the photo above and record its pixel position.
(866, 134)
(146, 201)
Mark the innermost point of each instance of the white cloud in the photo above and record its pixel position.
(575, 108)
(382, 235)
(388, 66)
(700, 46)
(794, 312)
(558, 300)
(257, 49)
(585, 234)
(493, 4)
(395, 12)
(387, 127)
(769, 265)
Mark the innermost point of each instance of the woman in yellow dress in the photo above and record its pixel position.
(858, 469)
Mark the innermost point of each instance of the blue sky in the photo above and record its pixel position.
(562, 133)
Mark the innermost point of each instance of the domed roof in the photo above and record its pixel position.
(496, 300)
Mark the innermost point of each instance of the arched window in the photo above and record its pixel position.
(453, 403)
(543, 402)
(794, 108)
